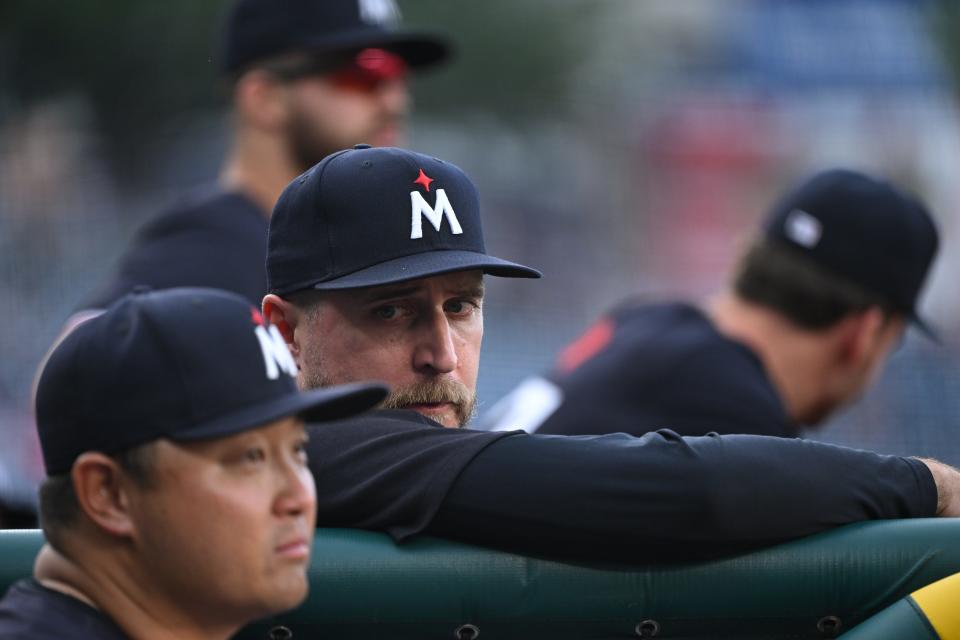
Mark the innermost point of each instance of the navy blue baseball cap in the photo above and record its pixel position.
(258, 29)
(367, 216)
(862, 229)
(183, 364)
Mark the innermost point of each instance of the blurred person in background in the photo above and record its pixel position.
(160, 448)
(18, 508)
(376, 260)
(306, 77)
(816, 304)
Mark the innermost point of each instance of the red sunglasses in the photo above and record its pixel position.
(365, 72)
(368, 70)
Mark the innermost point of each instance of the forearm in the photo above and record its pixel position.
(947, 480)
(646, 498)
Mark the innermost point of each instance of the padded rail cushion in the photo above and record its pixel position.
(809, 588)
(18, 547)
(931, 613)
(899, 621)
(365, 586)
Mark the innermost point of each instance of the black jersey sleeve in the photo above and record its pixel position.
(388, 470)
(661, 496)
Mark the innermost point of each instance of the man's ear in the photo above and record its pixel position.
(285, 316)
(102, 494)
(261, 100)
(859, 334)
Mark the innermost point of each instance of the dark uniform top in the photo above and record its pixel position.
(612, 497)
(30, 611)
(215, 239)
(650, 366)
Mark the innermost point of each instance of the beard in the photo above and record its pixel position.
(436, 390)
(310, 139)
(307, 145)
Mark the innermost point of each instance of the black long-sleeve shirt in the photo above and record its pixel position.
(643, 367)
(609, 497)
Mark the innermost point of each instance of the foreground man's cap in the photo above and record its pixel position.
(183, 364)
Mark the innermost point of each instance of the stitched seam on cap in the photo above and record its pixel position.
(173, 355)
(323, 170)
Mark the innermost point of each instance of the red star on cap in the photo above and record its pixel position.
(256, 317)
(424, 180)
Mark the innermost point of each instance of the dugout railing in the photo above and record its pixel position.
(363, 586)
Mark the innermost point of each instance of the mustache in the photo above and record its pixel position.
(429, 392)
(440, 390)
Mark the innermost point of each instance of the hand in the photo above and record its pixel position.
(947, 480)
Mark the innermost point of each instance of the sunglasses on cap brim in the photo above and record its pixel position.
(365, 70)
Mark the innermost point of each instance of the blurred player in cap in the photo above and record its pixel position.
(306, 77)
(818, 301)
(376, 262)
(178, 502)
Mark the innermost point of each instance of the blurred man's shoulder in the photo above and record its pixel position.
(206, 207)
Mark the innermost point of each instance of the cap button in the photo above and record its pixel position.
(361, 146)
(140, 289)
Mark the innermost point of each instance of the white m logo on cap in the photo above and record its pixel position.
(276, 356)
(383, 12)
(803, 228)
(419, 208)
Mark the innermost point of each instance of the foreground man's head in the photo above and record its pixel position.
(178, 497)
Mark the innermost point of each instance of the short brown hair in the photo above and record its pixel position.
(775, 276)
(307, 300)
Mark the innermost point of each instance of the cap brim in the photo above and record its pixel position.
(316, 405)
(419, 50)
(422, 265)
(925, 327)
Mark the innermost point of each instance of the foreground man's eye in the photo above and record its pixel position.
(255, 454)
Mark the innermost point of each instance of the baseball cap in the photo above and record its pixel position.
(371, 216)
(862, 229)
(257, 29)
(185, 364)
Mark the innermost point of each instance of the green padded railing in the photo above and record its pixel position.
(365, 586)
(931, 613)
(900, 621)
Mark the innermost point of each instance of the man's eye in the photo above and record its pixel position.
(459, 306)
(387, 311)
(254, 455)
(301, 450)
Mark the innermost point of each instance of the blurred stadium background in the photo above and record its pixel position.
(623, 147)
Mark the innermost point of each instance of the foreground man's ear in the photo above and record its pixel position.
(101, 493)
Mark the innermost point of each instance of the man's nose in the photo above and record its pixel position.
(394, 95)
(297, 495)
(435, 351)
